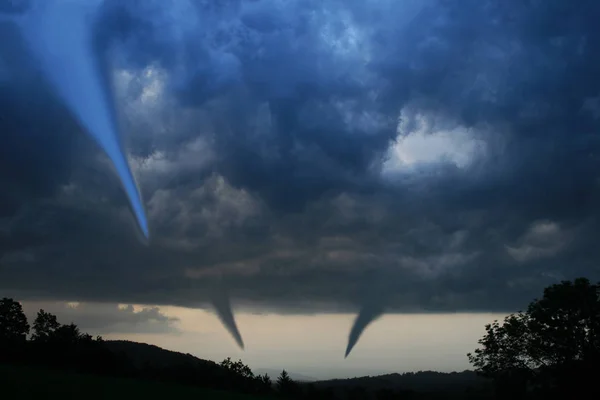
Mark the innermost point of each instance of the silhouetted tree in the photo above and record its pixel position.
(266, 379)
(265, 385)
(44, 326)
(555, 344)
(13, 331)
(237, 367)
(285, 385)
(68, 335)
(13, 322)
(241, 377)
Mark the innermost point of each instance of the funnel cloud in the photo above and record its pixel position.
(374, 297)
(222, 305)
(61, 37)
(365, 317)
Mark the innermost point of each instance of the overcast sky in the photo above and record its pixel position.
(311, 157)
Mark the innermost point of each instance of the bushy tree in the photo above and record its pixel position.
(44, 326)
(237, 367)
(70, 335)
(13, 322)
(555, 343)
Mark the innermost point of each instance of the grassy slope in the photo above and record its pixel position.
(35, 383)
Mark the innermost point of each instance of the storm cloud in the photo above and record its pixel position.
(296, 149)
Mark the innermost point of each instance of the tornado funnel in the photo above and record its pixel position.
(222, 305)
(61, 38)
(365, 317)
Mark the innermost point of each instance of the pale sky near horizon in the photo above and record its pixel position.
(310, 345)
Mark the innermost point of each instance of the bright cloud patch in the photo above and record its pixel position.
(425, 139)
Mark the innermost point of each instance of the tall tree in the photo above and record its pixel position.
(13, 322)
(44, 326)
(554, 344)
(285, 384)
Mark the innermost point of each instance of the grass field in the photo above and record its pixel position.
(36, 383)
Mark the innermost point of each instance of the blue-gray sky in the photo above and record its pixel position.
(311, 154)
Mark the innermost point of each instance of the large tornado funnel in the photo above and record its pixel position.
(60, 35)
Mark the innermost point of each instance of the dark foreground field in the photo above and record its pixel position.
(36, 383)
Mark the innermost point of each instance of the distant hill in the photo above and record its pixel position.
(142, 354)
(154, 363)
(422, 381)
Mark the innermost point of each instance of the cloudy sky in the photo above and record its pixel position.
(435, 161)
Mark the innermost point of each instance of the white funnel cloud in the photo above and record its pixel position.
(60, 35)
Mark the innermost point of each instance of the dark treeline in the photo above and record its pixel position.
(51, 344)
(422, 384)
(551, 349)
(48, 343)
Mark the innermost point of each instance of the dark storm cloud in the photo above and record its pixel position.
(266, 142)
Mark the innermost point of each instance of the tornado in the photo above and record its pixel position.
(365, 317)
(60, 36)
(222, 305)
(374, 298)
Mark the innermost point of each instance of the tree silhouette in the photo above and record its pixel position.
(266, 380)
(285, 384)
(13, 322)
(237, 367)
(44, 326)
(265, 385)
(13, 331)
(554, 345)
(243, 378)
(67, 334)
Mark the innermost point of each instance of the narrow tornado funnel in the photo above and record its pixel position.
(60, 36)
(222, 305)
(366, 315)
(374, 297)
